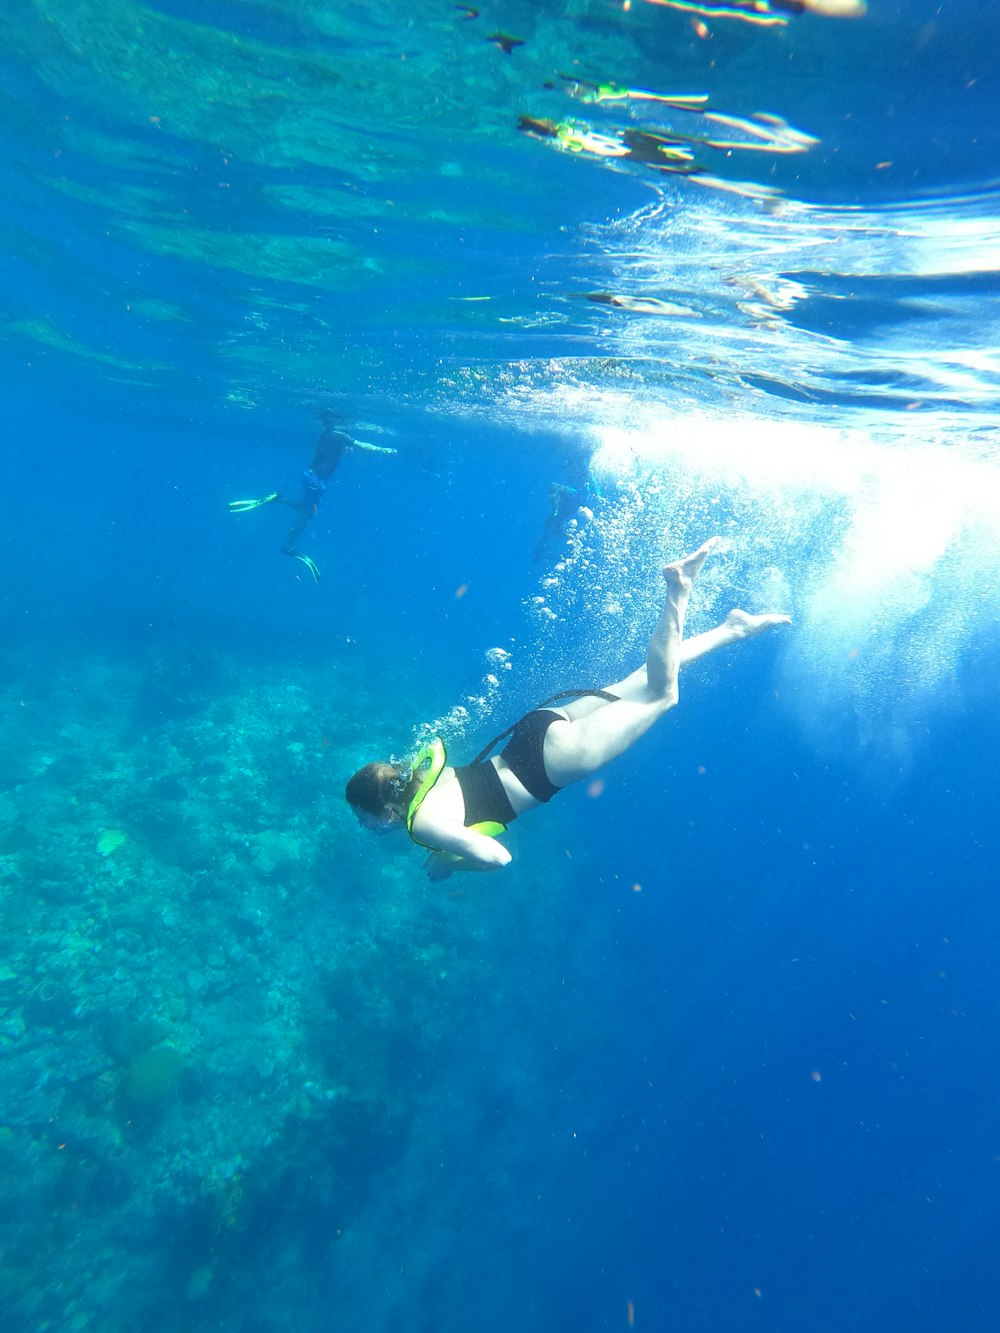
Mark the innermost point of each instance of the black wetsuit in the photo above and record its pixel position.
(330, 449)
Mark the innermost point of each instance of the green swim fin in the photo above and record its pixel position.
(244, 506)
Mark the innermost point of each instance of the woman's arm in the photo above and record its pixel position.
(456, 847)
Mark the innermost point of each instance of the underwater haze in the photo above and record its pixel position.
(584, 283)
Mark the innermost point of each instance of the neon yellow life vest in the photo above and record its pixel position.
(435, 757)
(579, 139)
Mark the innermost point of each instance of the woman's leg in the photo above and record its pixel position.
(576, 747)
(737, 625)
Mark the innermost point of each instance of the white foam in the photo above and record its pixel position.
(884, 550)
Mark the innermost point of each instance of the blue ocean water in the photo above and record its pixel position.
(715, 1052)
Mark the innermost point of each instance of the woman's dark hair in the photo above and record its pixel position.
(373, 787)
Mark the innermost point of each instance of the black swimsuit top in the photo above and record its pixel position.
(486, 801)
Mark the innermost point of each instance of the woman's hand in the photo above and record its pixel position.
(439, 865)
(485, 854)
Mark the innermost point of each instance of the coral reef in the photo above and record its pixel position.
(219, 1006)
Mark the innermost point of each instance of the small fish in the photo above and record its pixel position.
(505, 42)
(468, 12)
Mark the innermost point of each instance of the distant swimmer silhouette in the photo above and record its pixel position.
(568, 499)
(458, 813)
(331, 447)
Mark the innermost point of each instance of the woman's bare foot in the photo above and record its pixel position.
(682, 573)
(742, 625)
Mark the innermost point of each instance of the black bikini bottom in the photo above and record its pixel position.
(524, 753)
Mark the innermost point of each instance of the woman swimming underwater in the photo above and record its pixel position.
(456, 813)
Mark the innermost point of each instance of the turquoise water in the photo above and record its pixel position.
(716, 1051)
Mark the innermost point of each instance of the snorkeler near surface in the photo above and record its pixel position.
(768, 12)
(330, 448)
(641, 305)
(457, 813)
(663, 153)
